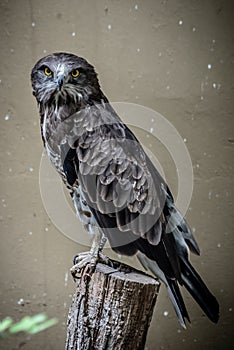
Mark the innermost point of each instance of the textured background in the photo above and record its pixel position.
(175, 57)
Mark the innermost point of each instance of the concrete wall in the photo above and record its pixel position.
(175, 57)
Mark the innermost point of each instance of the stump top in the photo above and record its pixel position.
(125, 272)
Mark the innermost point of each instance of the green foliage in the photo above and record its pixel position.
(30, 325)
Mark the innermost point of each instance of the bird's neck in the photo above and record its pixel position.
(52, 116)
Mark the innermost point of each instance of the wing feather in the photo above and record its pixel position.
(121, 185)
(114, 173)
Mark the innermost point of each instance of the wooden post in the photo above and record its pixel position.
(111, 310)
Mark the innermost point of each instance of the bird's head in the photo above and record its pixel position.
(64, 78)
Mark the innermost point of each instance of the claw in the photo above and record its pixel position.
(81, 261)
(88, 261)
(75, 259)
(75, 274)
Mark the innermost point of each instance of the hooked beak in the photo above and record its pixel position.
(59, 81)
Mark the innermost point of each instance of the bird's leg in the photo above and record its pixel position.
(90, 259)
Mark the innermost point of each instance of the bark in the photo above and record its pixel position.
(112, 309)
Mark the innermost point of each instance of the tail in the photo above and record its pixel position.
(171, 285)
(177, 301)
(199, 291)
(192, 282)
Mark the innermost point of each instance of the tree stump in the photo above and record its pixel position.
(111, 310)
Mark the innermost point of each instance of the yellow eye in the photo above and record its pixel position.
(75, 73)
(47, 71)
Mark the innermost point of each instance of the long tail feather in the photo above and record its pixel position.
(171, 285)
(197, 288)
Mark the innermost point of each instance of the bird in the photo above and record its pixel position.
(117, 192)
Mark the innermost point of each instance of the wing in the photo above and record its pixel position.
(116, 179)
(125, 192)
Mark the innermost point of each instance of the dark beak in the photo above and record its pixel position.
(59, 81)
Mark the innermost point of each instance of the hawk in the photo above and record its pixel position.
(117, 192)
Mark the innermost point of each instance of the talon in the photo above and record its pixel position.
(88, 272)
(74, 270)
(88, 260)
(84, 260)
(75, 259)
(87, 276)
(74, 274)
